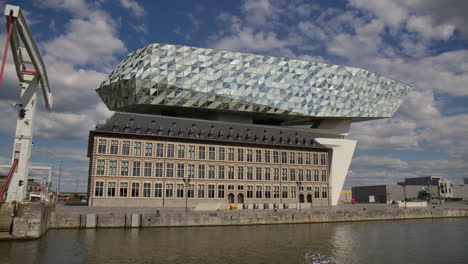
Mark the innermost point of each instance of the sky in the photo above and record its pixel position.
(423, 43)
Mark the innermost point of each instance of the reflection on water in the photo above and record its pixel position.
(422, 241)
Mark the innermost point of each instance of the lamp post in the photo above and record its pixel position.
(403, 184)
(186, 182)
(299, 184)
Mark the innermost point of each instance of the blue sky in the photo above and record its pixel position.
(420, 42)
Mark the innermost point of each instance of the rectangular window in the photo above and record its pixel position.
(201, 152)
(284, 174)
(315, 159)
(267, 192)
(258, 155)
(124, 168)
(316, 192)
(324, 175)
(240, 187)
(211, 172)
(99, 190)
(285, 192)
(249, 173)
(102, 146)
(292, 174)
(231, 187)
(146, 189)
(181, 151)
(258, 193)
(170, 150)
(284, 157)
(211, 191)
(220, 172)
(250, 191)
(316, 175)
(170, 170)
(220, 191)
(231, 154)
(114, 149)
(180, 191)
(293, 192)
(191, 191)
(249, 155)
(191, 152)
(169, 190)
(300, 158)
(324, 192)
(308, 175)
(231, 173)
(323, 159)
(191, 171)
(136, 168)
(100, 167)
(137, 149)
(267, 174)
(159, 150)
(240, 173)
(240, 155)
(113, 168)
(147, 170)
(292, 158)
(111, 189)
(135, 189)
(301, 175)
(211, 153)
(126, 148)
(307, 156)
(158, 190)
(201, 171)
(180, 170)
(201, 191)
(276, 192)
(275, 157)
(149, 149)
(258, 174)
(123, 191)
(267, 156)
(159, 170)
(221, 153)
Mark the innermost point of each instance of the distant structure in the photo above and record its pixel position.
(196, 126)
(465, 180)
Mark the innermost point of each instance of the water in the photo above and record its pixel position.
(412, 241)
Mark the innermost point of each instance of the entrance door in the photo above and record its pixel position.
(301, 198)
(309, 198)
(240, 198)
(231, 198)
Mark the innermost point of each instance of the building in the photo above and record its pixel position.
(465, 180)
(460, 191)
(196, 125)
(441, 187)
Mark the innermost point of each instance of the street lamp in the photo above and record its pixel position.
(403, 184)
(186, 182)
(299, 184)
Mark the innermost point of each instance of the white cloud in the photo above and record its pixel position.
(134, 7)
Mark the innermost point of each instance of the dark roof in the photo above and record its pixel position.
(207, 130)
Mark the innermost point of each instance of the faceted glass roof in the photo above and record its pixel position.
(163, 75)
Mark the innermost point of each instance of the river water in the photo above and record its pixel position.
(410, 241)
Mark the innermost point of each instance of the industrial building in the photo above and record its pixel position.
(197, 126)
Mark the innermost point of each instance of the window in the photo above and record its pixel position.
(309, 188)
(111, 189)
(124, 168)
(100, 167)
(258, 155)
(180, 191)
(292, 174)
(240, 155)
(276, 192)
(267, 174)
(211, 172)
(99, 190)
(284, 157)
(102, 146)
(258, 193)
(267, 192)
(323, 159)
(231, 187)
(158, 190)
(249, 173)
(137, 149)
(307, 156)
(267, 156)
(231, 173)
(316, 175)
(149, 149)
(258, 174)
(135, 189)
(324, 192)
(169, 190)
(324, 175)
(201, 171)
(220, 191)
(285, 192)
(249, 191)
(293, 192)
(301, 175)
(221, 172)
(191, 171)
(126, 148)
(300, 158)
(191, 152)
(159, 169)
(211, 153)
(160, 150)
(249, 155)
(170, 150)
(211, 191)
(191, 191)
(275, 157)
(201, 191)
(146, 189)
(114, 149)
(136, 168)
(308, 175)
(170, 170)
(284, 174)
(276, 174)
(113, 167)
(315, 159)
(147, 169)
(123, 192)
(201, 152)
(231, 154)
(240, 173)
(221, 153)
(317, 192)
(240, 187)
(180, 170)
(181, 151)
(292, 158)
